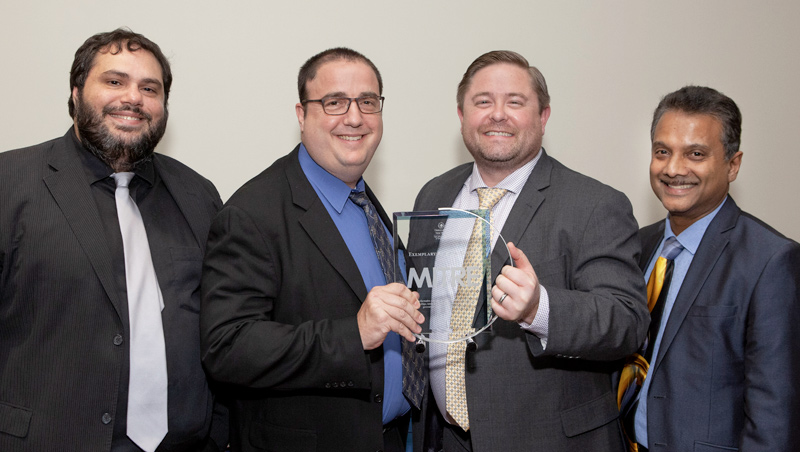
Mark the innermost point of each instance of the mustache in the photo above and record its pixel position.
(109, 110)
(677, 180)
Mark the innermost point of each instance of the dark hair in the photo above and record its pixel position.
(701, 100)
(309, 69)
(113, 41)
(504, 56)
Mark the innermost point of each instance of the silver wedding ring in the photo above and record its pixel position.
(500, 301)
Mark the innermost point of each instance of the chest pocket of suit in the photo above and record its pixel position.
(187, 265)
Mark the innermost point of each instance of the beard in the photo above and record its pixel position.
(117, 152)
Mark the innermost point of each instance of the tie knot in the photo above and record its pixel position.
(488, 197)
(672, 247)
(122, 179)
(360, 198)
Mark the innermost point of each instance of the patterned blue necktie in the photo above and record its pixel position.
(412, 361)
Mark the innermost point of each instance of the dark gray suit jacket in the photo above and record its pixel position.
(726, 374)
(63, 327)
(580, 237)
(280, 296)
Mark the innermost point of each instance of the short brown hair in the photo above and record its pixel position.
(309, 69)
(505, 56)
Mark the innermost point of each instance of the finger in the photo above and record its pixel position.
(520, 259)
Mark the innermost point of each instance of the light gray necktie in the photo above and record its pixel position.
(147, 388)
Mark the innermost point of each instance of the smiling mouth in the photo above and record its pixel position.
(499, 134)
(679, 185)
(351, 138)
(127, 118)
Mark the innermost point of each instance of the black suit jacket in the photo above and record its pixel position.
(726, 374)
(280, 297)
(580, 237)
(63, 328)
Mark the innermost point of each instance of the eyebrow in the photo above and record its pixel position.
(124, 75)
(491, 94)
(343, 94)
(688, 146)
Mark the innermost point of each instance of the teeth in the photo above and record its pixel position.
(131, 118)
(349, 138)
(499, 134)
(681, 187)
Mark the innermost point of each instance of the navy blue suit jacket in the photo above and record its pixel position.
(726, 375)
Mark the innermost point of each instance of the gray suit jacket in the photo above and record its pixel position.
(580, 237)
(726, 374)
(63, 327)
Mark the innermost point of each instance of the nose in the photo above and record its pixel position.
(353, 116)
(132, 95)
(498, 113)
(675, 166)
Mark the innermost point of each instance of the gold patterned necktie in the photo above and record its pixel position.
(637, 366)
(463, 313)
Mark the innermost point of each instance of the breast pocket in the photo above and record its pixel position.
(187, 265)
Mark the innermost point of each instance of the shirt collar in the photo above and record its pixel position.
(691, 237)
(330, 186)
(513, 182)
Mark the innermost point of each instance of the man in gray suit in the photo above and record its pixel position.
(570, 307)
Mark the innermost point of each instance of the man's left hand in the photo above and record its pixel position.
(520, 286)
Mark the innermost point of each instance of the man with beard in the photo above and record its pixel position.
(570, 307)
(101, 245)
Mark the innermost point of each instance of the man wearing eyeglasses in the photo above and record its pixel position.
(297, 313)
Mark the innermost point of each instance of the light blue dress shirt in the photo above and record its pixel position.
(352, 224)
(690, 239)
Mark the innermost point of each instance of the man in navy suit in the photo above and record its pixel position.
(727, 350)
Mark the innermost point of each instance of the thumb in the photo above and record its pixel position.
(520, 259)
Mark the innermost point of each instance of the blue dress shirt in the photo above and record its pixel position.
(690, 239)
(352, 224)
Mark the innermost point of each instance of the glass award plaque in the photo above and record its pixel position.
(430, 257)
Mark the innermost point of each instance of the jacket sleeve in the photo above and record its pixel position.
(242, 343)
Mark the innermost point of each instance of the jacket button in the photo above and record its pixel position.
(118, 339)
(335, 385)
(350, 384)
(378, 398)
(327, 385)
(106, 418)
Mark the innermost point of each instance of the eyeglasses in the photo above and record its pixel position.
(340, 105)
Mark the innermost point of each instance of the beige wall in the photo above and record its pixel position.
(607, 64)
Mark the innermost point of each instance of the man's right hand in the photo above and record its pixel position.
(392, 307)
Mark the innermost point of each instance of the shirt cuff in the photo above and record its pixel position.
(539, 327)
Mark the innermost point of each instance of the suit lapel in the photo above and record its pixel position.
(320, 227)
(188, 203)
(711, 247)
(68, 186)
(521, 216)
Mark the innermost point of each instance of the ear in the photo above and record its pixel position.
(74, 94)
(460, 117)
(734, 164)
(544, 116)
(301, 115)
